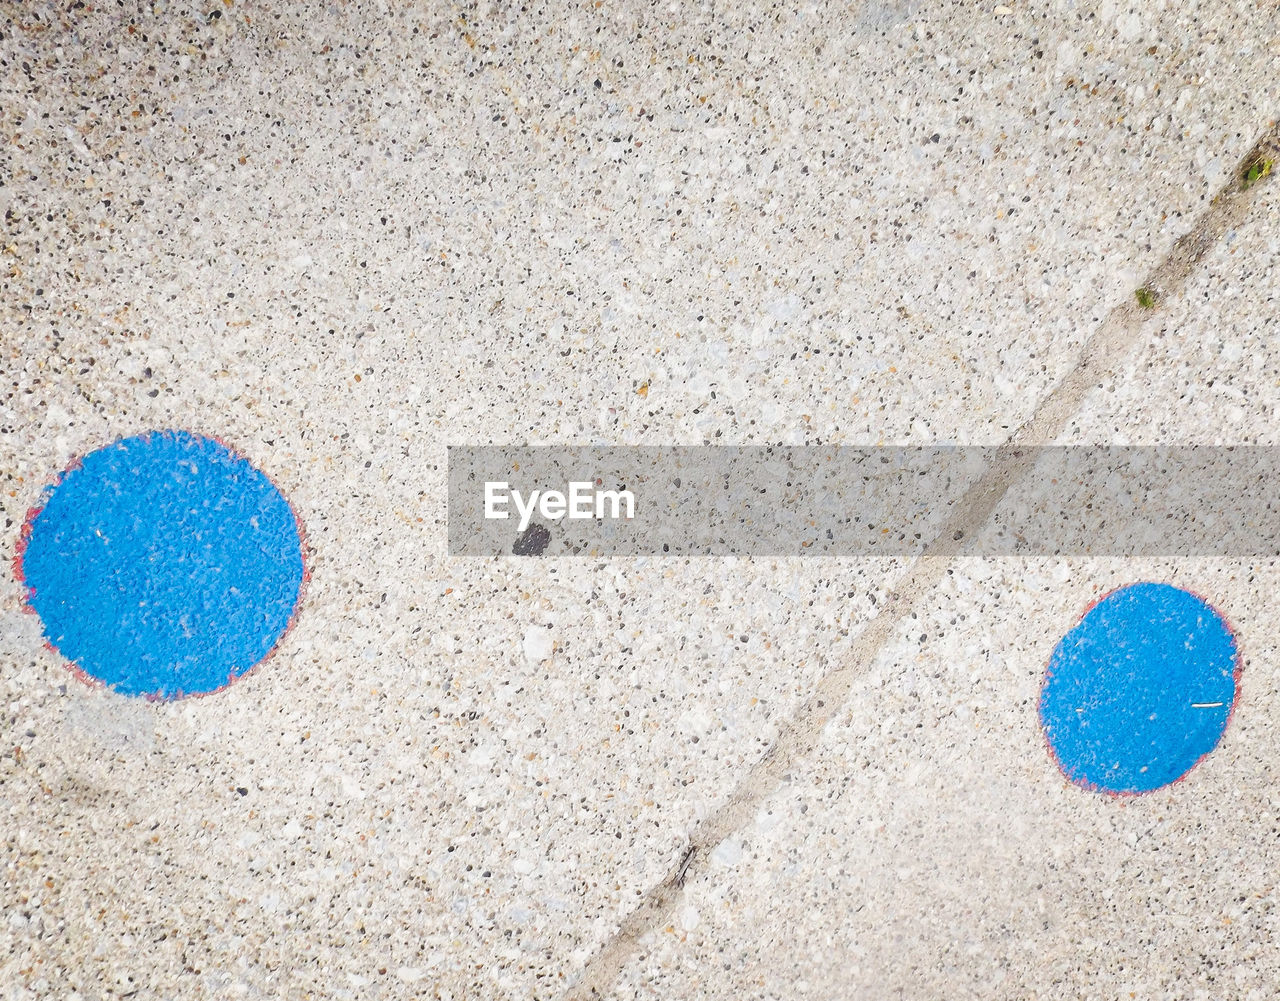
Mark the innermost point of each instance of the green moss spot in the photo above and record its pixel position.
(1146, 298)
(1255, 172)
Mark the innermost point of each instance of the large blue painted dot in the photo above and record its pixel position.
(1140, 690)
(163, 565)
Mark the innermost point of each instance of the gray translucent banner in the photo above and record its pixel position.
(853, 501)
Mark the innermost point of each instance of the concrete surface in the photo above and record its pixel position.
(341, 237)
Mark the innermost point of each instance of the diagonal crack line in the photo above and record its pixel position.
(1118, 334)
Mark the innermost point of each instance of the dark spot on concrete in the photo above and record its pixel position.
(532, 541)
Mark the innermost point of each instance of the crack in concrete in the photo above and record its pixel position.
(1118, 333)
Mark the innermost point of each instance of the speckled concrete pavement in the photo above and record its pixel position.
(340, 237)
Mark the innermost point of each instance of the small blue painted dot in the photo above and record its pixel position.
(1140, 690)
(163, 565)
